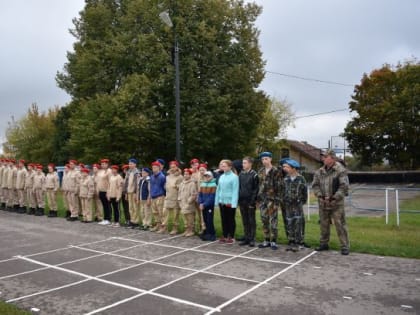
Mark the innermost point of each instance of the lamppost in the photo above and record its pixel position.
(164, 16)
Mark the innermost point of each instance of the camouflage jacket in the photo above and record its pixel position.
(270, 185)
(332, 182)
(294, 192)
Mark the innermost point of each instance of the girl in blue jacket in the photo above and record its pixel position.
(227, 194)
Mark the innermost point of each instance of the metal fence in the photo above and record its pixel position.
(375, 199)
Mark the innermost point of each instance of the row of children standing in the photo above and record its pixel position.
(152, 198)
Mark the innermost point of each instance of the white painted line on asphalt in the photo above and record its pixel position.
(368, 274)
(150, 291)
(317, 267)
(23, 273)
(347, 297)
(6, 260)
(47, 291)
(34, 309)
(406, 306)
(221, 306)
(417, 279)
(210, 251)
(95, 242)
(288, 288)
(46, 252)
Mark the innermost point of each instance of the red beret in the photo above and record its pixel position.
(188, 170)
(39, 166)
(22, 161)
(51, 165)
(72, 162)
(105, 161)
(156, 163)
(174, 162)
(125, 166)
(85, 170)
(81, 165)
(95, 165)
(193, 161)
(204, 165)
(12, 161)
(115, 167)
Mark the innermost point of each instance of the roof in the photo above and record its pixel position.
(306, 149)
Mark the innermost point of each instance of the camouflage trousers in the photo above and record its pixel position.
(269, 219)
(337, 215)
(294, 224)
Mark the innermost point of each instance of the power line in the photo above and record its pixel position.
(309, 79)
(323, 113)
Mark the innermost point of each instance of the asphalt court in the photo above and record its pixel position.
(91, 269)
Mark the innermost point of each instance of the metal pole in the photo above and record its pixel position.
(308, 203)
(397, 202)
(177, 105)
(386, 206)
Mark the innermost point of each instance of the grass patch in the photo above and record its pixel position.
(411, 204)
(10, 309)
(367, 234)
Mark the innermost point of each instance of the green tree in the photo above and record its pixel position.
(121, 80)
(387, 121)
(277, 117)
(31, 137)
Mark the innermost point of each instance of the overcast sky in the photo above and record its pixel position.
(326, 40)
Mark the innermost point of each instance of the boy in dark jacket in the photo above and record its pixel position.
(248, 191)
(206, 198)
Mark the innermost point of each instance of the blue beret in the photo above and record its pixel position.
(266, 154)
(147, 170)
(283, 160)
(291, 163)
(132, 160)
(161, 161)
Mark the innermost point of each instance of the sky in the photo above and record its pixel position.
(327, 40)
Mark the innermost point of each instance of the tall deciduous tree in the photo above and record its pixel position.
(277, 116)
(387, 124)
(30, 137)
(121, 79)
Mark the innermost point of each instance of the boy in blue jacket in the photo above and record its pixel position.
(206, 199)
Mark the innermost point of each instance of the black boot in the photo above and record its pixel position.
(22, 210)
(39, 212)
(322, 247)
(31, 211)
(52, 214)
(16, 208)
(68, 214)
(3, 206)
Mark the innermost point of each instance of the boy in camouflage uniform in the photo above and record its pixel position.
(294, 196)
(270, 179)
(331, 185)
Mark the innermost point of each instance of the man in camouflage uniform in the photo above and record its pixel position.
(330, 186)
(268, 199)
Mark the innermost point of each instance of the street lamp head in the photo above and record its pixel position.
(164, 16)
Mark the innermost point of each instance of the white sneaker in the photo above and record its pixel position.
(104, 222)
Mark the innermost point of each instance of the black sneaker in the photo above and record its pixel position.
(243, 243)
(345, 251)
(322, 247)
(251, 244)
(264, 244)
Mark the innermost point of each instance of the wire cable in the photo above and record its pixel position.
(308, 79)
(323, 113)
